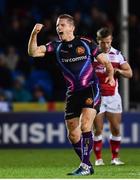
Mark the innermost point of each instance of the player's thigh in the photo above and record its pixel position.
(114, 120)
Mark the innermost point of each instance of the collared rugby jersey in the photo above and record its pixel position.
(116, 59)
(75, 59)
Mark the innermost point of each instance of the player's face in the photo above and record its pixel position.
(105, 43)
(64, 29)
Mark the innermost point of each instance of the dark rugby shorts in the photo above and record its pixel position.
(86, 98)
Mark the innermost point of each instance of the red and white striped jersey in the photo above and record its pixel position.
(117, 59)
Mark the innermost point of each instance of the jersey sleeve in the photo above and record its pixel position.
(95, 50)
(50, 47)
(122, 59)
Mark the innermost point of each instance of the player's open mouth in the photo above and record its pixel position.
(60, 33)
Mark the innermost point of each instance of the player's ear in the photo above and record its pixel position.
(73, 28)
(97, 39)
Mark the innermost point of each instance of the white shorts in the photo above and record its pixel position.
(111, 104)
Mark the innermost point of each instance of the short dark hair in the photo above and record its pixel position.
(103, 33)
(68, 17)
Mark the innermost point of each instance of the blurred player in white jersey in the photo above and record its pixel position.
(111, 105)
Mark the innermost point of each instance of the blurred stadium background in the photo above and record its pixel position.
(32, 91)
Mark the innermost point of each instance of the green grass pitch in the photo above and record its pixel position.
(56, 163)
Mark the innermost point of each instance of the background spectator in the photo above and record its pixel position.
(5, 106)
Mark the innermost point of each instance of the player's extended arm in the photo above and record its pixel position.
(33, 49)
(125, 70)
(102, 58)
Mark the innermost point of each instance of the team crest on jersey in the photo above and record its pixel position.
(80, 50)
(89, 101)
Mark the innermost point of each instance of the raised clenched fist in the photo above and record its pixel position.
(37, 28)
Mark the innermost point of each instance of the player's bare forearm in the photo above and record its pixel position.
(109, 68)
(110, 71)
(33, 49)
(32, 45)
(102, 58)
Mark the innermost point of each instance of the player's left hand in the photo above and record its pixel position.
(110, 80)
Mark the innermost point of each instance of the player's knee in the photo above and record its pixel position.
(98, 131)
(72, 125)
(85, 127)
(74, 136)
(116, 132)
